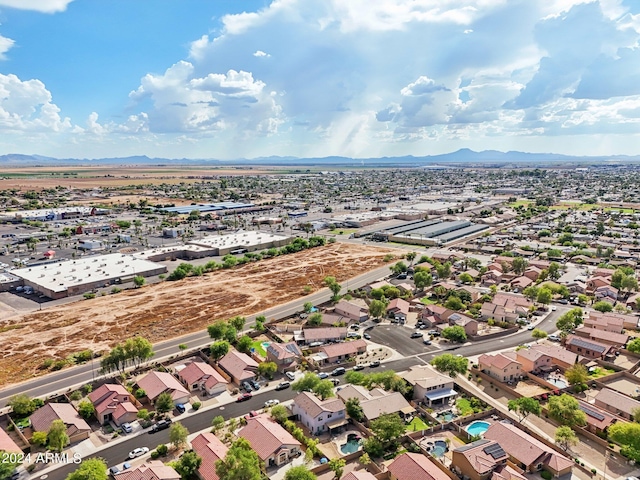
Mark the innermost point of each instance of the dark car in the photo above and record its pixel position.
(181, 408)
(283, 386)
(427, 342)
(255, 385)
(374, 364)
(246, 386)
(161, 425)
(367, 336)
(435, 333)
(243, 397)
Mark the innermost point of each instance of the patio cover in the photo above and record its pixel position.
(337, 423)
(440, 394)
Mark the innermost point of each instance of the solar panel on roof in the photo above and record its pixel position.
(495, 450)
(469, 446)
(592, 413)
(578, 342)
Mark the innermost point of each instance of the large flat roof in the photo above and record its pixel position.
(208, 207)
(59, 276)
(54, 211)
(240, 239)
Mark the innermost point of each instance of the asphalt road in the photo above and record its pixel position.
(64, 380)
(399, 339)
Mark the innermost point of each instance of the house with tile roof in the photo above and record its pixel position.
(610, 321)
(199, 375)
(273, 444)
(7, 444)
(113, 403)
(319, 416)
(617, 403)
(430, 386)
(210, 449)
(533, 360)
(339, 352)
(239, 366)
(478, 460)
(154, 383)
(398, 308)
(560, 357)
(351, 311)
(377, 402)
(597, 419)
(610, 338)
(285, 355)
(586, 347)
(77, 428)
(359, 475)
(504, 367)
(526, 452)
(320, 334)
(415, 466)
(151, 470)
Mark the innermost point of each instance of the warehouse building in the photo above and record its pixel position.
(428, 232)
(74, 277)
(50, 214)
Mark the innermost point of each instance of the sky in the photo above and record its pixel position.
(233, 79)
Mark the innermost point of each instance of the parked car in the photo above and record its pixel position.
(435, 333)
(126, 428)
(354, 327)
(358, 367)
(374, 364)
(181, 408)
(138, 452)
(402, 276)
(335, 382)
(530, 327)
(243, 397)
(114, 471)
(283, 386)
(290, 376)
(161, 425)
(554, 338)
(246, 386)
(252, 413)
(338, 371)
(255, 385)
(427, 342)
(323, 375)
(271, 403)
(353, 335)
(416, 335)
(367, 336)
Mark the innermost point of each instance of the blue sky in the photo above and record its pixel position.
(363, 78)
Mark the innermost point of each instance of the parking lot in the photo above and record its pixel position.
(399, 338)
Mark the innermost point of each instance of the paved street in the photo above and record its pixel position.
(399, 339)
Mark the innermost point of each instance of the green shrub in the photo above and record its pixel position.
(162, 449)
(155, 455)
(196, 405)
(546, 475)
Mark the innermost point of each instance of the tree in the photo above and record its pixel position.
(440, 292)
(398, 268)
(411, 256)
(454, 303)
(577, 375)
(244, 344)
(364, 459)
(307, 383)
(178, 434)
(377, 308)
(188, 464)
(565, 437)
(143, 414)
(443, 270)
(138, 350)
(387, 427)
(531, 292)
(454, 334)
(240, 463)
(324, 389)
(216, 330)
(307, 307)
(164, 403)
(524, 406)
(315, 319)
(464, 278)
(299, 472)
(354, 410)
(450, 364)
(519, 265)
(554, 271)
(336, 465)
(617, 277)
(218, 350)
(629, 284)
(538, 334)
(334, 286)
(7, 466)
(570, 320)
(139, 281)
(566, 410)
(423, 279)
(544, 296)
(237, 323)
(217, 423)
(634, 345)
(22, 405)
(86, 409)
(89, 469)
(230, 334)
(57, 437)
(279, 413)
(628, 435)
(603, 306)
(267, 369)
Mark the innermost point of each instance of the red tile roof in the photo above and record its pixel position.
(210, 449)
(152, 470)
(346, 348)
(266, 436)
(239, 365)
(415, 466)
(42, 418)
(106, 390)
(499, 360)
(7, 444)
(359, 475)
(155, 383)
(198, 371)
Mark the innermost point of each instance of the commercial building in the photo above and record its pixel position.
(74, 277)
(51, 214)
(429, 232)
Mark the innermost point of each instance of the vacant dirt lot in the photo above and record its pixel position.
(170, 309)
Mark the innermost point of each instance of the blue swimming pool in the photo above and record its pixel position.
(477, 428)
(439, 449)
(558, 382)
(350, 447)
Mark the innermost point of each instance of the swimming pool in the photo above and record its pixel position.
(350, 447)
(439, 448)
(445, 417)
(265, 344)
(477, 428)
(558, 382)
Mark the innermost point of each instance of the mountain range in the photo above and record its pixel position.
(460, 158)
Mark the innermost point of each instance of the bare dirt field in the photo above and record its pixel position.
(169, 309)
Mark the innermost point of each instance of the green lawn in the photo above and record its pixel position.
(575, 206)
(257, 345)
(520, 203)
(464, 407)
(427, 301)
(416, 425)
(344, 231)
(601, 372)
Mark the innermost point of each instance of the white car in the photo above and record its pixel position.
(271, 403)
(138, 452)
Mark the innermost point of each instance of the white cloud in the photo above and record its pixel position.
(5, 45)
(260, 53)
(27, 106)
(45, 6)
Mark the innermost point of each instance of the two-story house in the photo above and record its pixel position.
(317, 415)
(501, 366)
(285, 355)
(113, 403)
(430, 386)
